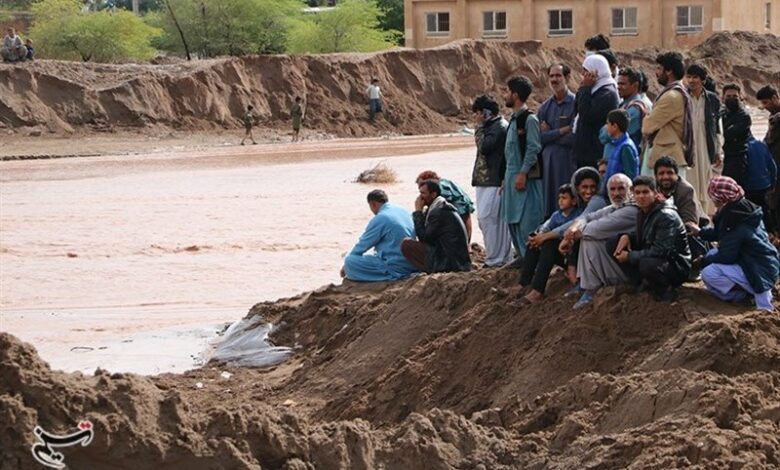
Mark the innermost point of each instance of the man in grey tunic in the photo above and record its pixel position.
(596, 267)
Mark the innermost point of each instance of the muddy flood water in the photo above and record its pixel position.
(134, 263)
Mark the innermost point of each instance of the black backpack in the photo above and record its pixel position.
(535, 173)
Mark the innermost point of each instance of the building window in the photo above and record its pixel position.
(494, 24)
(624, 21)
(561, 22)
(438, 24)
(768, 16)
(690, 19)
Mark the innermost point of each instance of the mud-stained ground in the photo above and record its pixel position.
(436, 372)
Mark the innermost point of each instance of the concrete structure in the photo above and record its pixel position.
(567, 23)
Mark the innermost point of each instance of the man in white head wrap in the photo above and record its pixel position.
(596, 97)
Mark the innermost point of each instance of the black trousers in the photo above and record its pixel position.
(759, 198)
(539, 263)
(735, 167)
(657, 273)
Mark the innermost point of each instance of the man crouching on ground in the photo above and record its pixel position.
(442, 243)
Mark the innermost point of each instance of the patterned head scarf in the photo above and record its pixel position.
(723, 190)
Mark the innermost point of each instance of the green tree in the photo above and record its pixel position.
(393, 19)
(62, 31)
(352, 26)
(225, 27)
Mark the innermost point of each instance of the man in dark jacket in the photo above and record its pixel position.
(745, 262)
(596, 97)
(708, 143)
(488, 176)
(441, 244)
(736, 131)
(657, 257)
(770, 101)
(761, 176)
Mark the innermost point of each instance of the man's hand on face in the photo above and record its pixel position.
(419, 203)
(588, 79)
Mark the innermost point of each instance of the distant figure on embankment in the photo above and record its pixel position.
(297, 114)
(249, 122)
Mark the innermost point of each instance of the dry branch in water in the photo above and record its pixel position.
(380, 173)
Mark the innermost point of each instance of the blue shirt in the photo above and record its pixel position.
(384, 233)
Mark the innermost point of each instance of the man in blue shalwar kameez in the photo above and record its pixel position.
(384, 233)
(522, 200)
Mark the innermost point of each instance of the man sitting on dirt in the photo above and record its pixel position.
(385, 232)
(441, 244)
(745, 262)
(13, 48)
(682, 196)
(657, 257)
(596, 267)
(454, 194)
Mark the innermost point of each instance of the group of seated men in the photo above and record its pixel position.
(435, 238)
(16, 50)
(648, 235)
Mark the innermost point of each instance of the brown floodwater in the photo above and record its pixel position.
(133, 263)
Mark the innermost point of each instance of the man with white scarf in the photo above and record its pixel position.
(442, 242)
(596, 97)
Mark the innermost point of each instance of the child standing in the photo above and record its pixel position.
(625, 156)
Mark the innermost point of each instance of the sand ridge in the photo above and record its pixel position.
(437, 372)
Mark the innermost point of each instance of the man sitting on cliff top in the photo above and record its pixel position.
(384, 233)
(13, 49)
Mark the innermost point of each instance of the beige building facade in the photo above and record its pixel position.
(567, 23)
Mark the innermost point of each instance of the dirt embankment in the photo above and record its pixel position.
(436, 372)
(427, 91)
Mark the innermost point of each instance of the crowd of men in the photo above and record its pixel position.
(614, 188)
(14, 49)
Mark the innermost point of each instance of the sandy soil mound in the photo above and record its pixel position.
(436, 372)
(427, 91)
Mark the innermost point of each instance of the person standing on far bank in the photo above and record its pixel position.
(374, 99)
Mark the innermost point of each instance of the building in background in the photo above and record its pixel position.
(567, 23)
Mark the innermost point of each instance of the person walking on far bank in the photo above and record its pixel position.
(249, 122)
(374, 99)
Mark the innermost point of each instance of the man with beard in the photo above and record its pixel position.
(487, 177)
(596, 267)
(681, 194)
(770, 101)
(441, 244)
(556, 116)
(657, 256)
(736, 131)
(522, 199)
(669, 127)
(708, 140)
